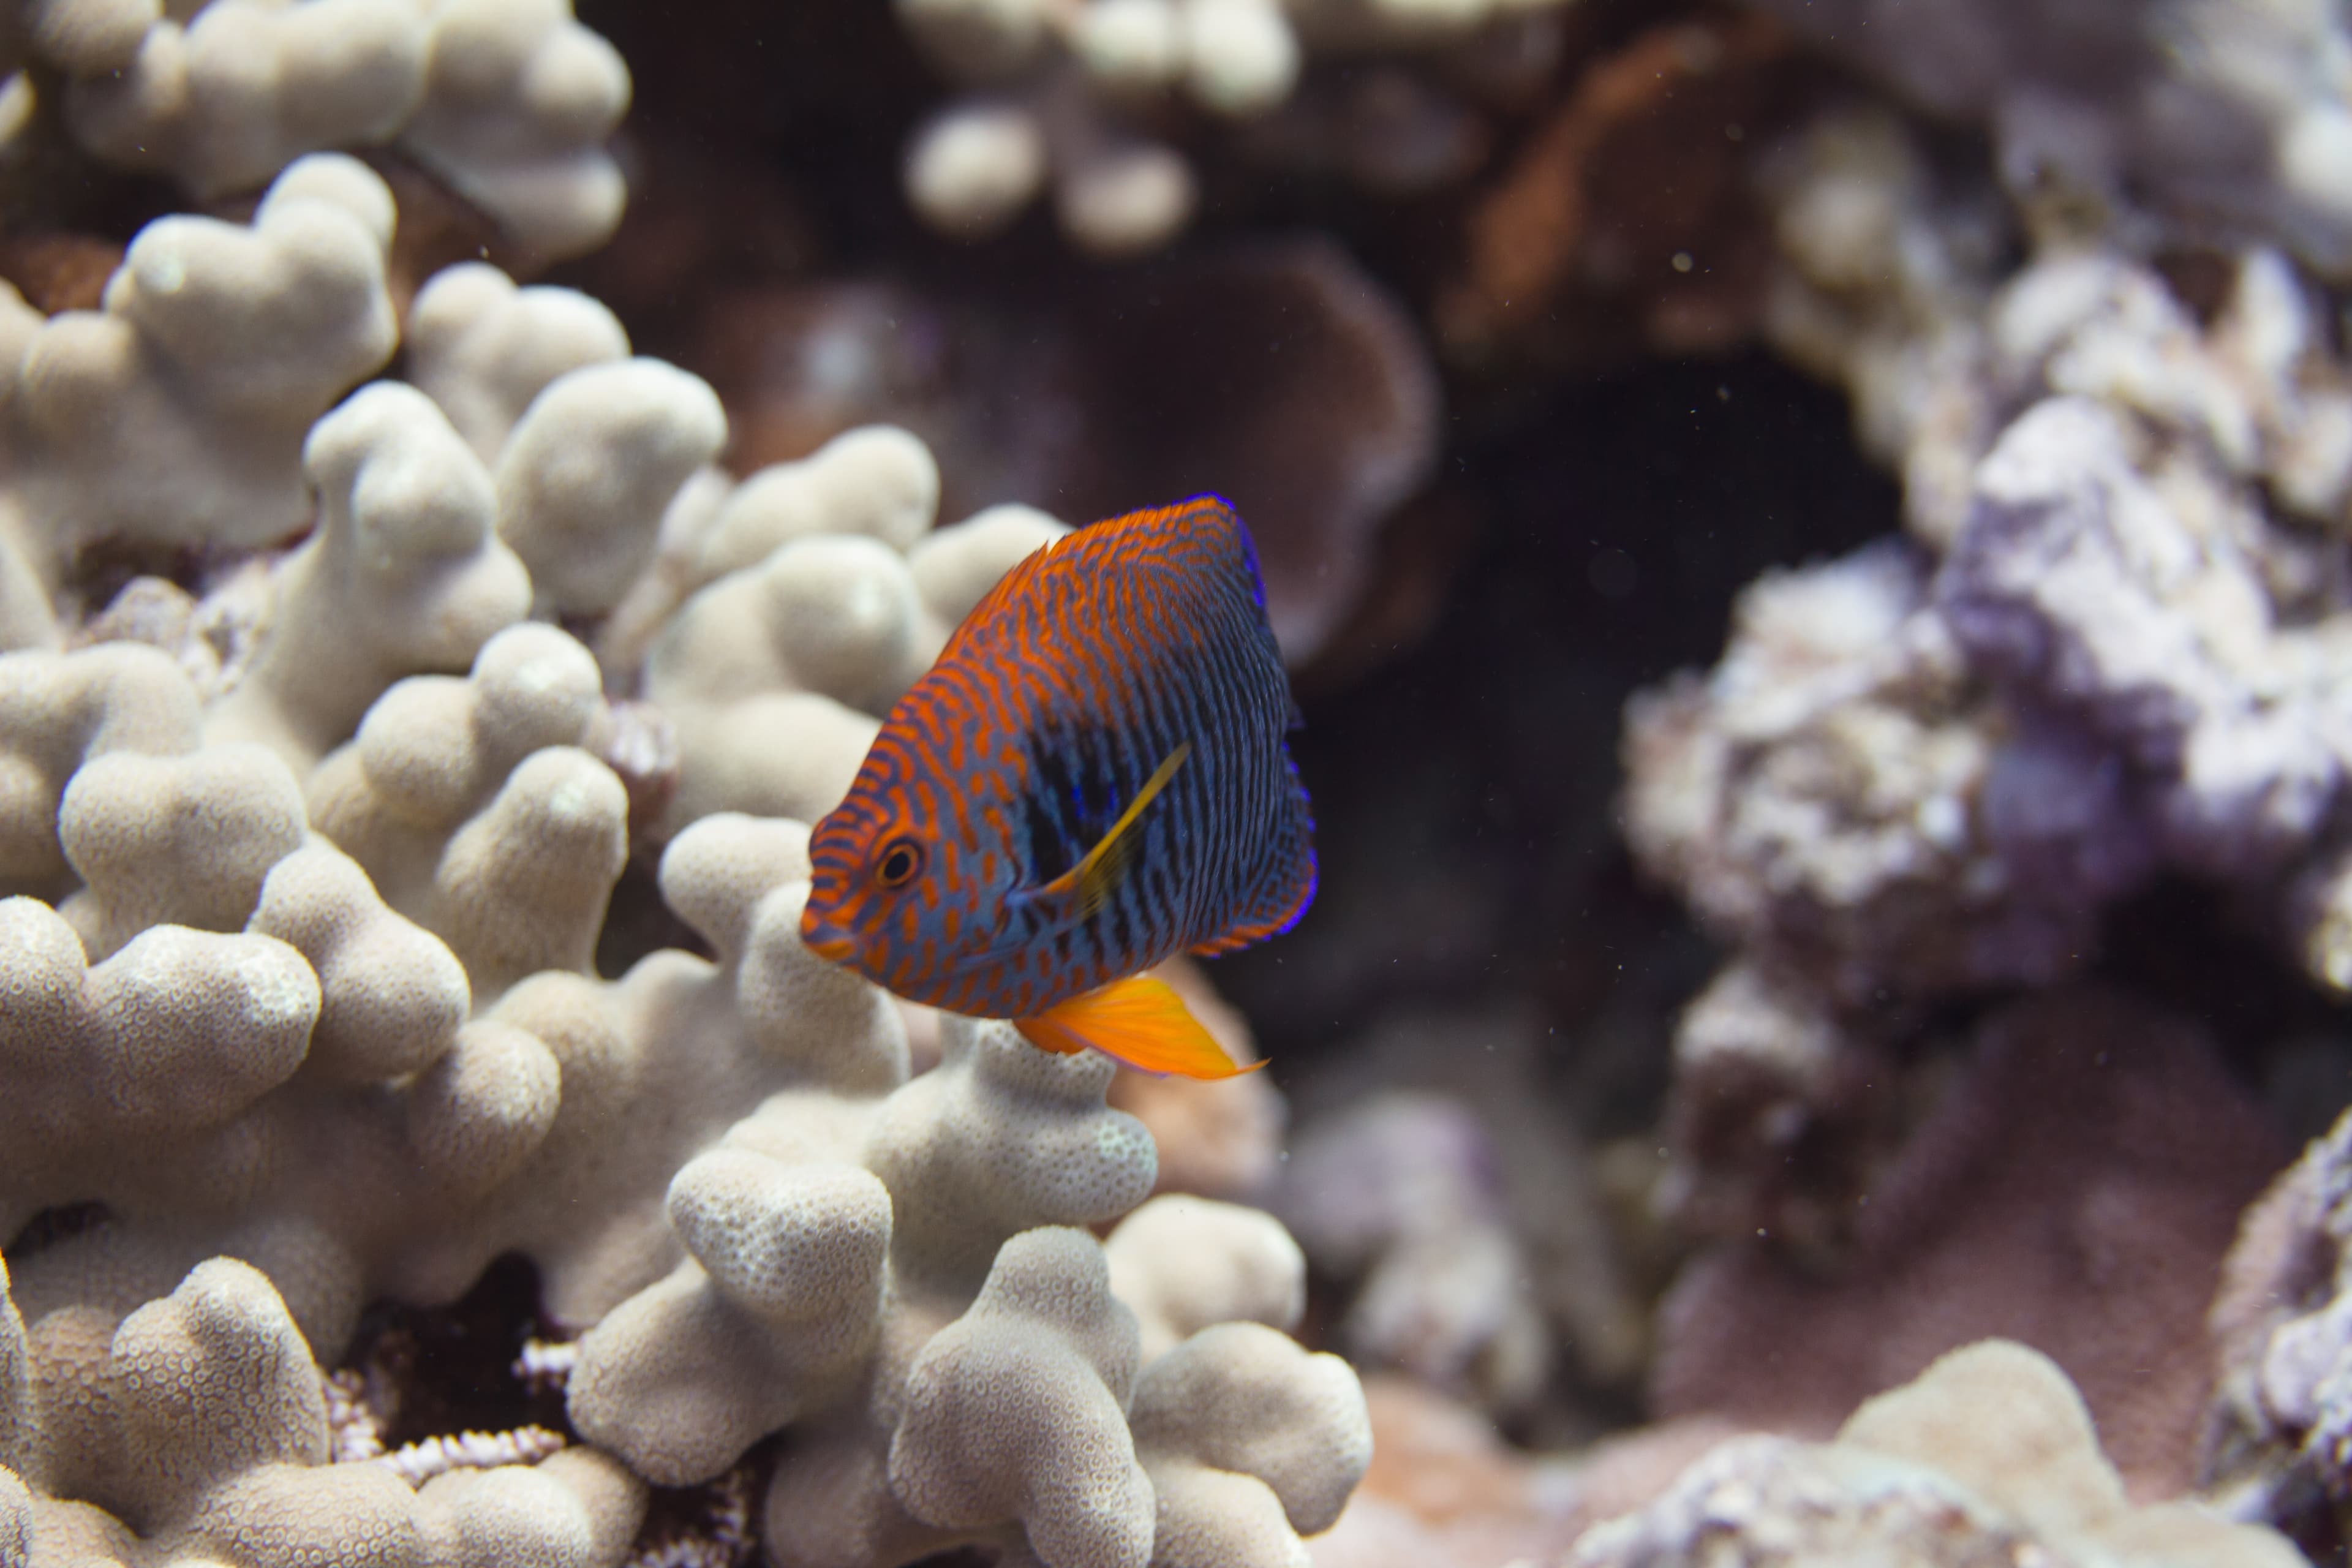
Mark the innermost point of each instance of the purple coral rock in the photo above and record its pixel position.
(2081, 588)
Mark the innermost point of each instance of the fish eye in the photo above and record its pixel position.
(901, 860)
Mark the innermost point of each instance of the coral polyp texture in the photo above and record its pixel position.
(313, 822)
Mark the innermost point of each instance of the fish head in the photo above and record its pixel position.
(901, 889)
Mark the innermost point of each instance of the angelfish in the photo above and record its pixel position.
(1091, 778)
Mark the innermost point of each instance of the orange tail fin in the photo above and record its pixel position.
(1138, 1022)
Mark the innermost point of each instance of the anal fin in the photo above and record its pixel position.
(1140, 1023)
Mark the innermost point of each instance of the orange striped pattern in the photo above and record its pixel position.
(1091, 664)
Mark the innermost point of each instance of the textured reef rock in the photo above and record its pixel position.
(1988, 1457)
(1931, 776)
(2107, 650)
(2110, 650)
(310, 832)
(2278, 1438)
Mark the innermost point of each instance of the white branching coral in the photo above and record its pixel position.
(1063, 98)
(510, 101)
(216, 1446)
(956, 1359)
(177, 413)
(300, 909)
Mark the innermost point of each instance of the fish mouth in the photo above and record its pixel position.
(828, 940)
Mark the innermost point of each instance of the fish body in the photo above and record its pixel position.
(1091, 778)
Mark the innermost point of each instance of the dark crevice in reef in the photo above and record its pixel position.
(1614, 520)
(52, 1225)
(452, 1367)
(2183, 946)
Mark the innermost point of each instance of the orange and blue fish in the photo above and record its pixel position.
(1090, 779)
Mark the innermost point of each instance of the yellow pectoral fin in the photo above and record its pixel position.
(1140, 1023)
(1092, 879)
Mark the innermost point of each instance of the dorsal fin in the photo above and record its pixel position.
(1094, 879)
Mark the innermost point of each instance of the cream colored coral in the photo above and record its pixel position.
(435, 749)
(1184, 1263)
(181, 839)
(955, 566)
(978, 1393)
(57, 711)
(807, 621)
(482, 348)
(216, 1434)
(401, 575)
(178, 412)
(976, 167)
(999, 1138)
(518, 100)
(475, 815)
(15, 1391)
(708, 1037)
(1250, 1443)
(772, 670)
(765, 672)
(522, 886)
(248, 1153)
(877, 480)
(586, 473)
(245, 87)
(510, 101)
(832, 614)
(393, 997)
(685, 1376)
(397, 1094)
(1118, 196)
(1063, 89)
(80, 37)
(775, 1312)
(742, 882)
(16, 1520)
(1016, 1412)
(119, 1069)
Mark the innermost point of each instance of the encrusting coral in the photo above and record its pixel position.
(309, 849)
